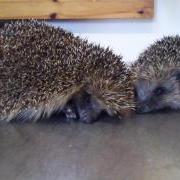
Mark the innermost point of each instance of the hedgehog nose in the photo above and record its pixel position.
(142, 96)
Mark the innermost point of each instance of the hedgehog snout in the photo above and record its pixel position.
(144, 96)
(143, 104)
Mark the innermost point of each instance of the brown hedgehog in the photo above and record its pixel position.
(42, 68)
(158, 76)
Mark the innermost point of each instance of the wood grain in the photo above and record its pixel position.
(76, 9)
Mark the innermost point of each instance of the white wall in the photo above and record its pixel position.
(129, 37)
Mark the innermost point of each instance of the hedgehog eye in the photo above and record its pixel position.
(178, 76)
(159, 91)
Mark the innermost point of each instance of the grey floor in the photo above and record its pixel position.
(145, 147)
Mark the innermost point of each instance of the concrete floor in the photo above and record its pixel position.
(145, 147)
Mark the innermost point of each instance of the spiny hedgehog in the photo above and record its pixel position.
(157, 72)
(43, 67)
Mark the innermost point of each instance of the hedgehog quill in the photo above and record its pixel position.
(157, 72)
(43, 67)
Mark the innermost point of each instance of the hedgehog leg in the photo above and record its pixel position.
(70, 111)
(87, 108)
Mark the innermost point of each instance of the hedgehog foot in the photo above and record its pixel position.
(70, 112)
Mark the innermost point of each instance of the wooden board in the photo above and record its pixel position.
(76, 9)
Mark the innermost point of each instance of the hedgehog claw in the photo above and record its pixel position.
(70, 112)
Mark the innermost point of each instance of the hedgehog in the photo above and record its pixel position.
(157, 76)
(43, 68)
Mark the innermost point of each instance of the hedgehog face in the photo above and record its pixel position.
(84, 107)
(88, 108)
(158, 94)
